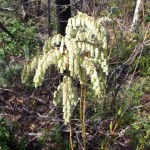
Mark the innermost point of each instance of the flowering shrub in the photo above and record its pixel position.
(82, 52)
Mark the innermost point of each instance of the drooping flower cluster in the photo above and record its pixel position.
(82, 51)
(30, 66)
(87, 32)
(52, 54)
(67, 93)
(96, 77)
(48, 59)
(53, 43)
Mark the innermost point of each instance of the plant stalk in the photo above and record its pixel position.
(82, 113)
(71, 141)
(84, 123)
(81, 105)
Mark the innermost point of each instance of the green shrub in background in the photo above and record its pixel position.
(8, 72)
(56, 135)
(7, 139)
(24, 41)
(135, 114)
(143, 65)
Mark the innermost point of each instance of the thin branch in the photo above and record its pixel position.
(6, 30)
(6, 9)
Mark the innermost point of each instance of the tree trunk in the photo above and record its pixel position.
(63, 14)
(25, 7)
(49, 18)
(136, 16)
(39, 8)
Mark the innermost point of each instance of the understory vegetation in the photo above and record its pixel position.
(86, 90)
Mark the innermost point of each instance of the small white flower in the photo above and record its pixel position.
(102, 55)
(96, 52)
(82, 21)
(78, 21)
(83, 47)
(92, 51)
(74, 23)
(69, 22)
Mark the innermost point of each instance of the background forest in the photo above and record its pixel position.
(118, 119)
